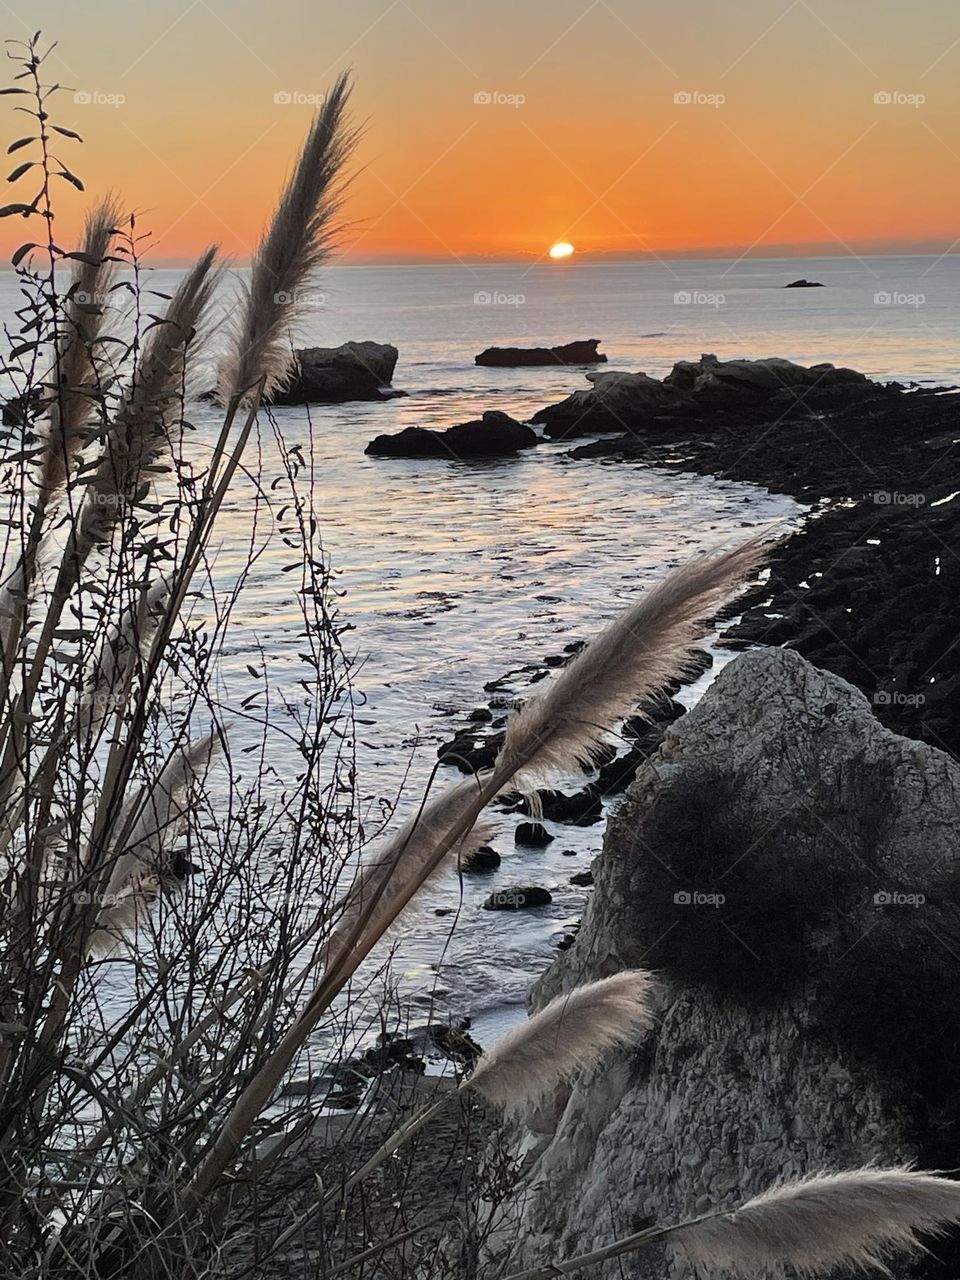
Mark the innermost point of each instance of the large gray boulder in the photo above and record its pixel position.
(330, 375)
(790, 869)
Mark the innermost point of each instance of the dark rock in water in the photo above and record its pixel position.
(533, 835)
(804, 284)
(518, 899)
(614, 399)
(450, 1042)
(482, 859)
(583, 352)
(716, 383)
(582, 809)
(494, 435)
(480, 715)
(20, 410)
(469, 752)
(331, 375)
(582, 878)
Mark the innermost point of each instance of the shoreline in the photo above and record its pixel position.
(868, 586)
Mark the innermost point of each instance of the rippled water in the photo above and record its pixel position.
(455, 573)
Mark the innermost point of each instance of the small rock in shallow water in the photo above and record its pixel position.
(483, 859)
(533, 835)
(582, 878)
(518, 899)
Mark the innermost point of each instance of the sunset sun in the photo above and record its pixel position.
(561, 249)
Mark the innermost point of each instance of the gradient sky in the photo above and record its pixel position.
(799, 154)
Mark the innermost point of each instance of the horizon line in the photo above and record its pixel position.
(586, 257)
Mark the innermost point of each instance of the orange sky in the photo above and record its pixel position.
(182, 121)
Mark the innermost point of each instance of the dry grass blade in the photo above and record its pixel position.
(77, 372)
(572, 1032)
(149, 411)
(299, 240)
(825, 1222)
(121, 647)
(402, 862)
(142, 864)
(634, 656)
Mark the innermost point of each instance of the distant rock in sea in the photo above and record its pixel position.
(330, 375)
(495, 435)
(804, 284)
(583, 352)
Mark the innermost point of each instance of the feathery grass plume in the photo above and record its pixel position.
(300, 239)
(119, 650)
(572, 1032)
(635, 655)
(140, 432)
(77, 371)
(142, 865)
(824, 1222)
(403, 861)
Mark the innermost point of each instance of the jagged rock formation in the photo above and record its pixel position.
(790, 869)
(694, 389)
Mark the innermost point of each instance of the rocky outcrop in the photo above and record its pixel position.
(582, 352)
(868, 590)
(693, 390)
(711, 382)
(804, 284)
(330, 375)
(789, 867)
(613, 401)
(495, 435)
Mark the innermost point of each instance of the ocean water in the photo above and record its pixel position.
(453, 574)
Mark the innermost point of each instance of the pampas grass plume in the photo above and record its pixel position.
(571, 1033)
(823, 1222)
(635, 655)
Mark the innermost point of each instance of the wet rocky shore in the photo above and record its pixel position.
(869, 588)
